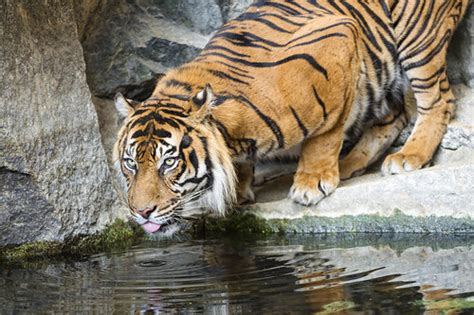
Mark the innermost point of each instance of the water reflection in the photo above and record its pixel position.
(370, 274)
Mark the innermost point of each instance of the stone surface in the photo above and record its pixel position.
(137, 40)
(440, 191)
(55, 181)
(233, 8)
(133, 42)
(461, 51)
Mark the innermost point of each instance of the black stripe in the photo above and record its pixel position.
(421, 29)
(272, 25)
(224, 75)
(343, 22)
(152, 116)
(267, 120)
(318, 39)
(410, 24)
(180, 97)
(194, 161)
(320, 101)
(219, 47)
(383, 24)
(320, 7)
(232, 67)
(431, 55)
(208, 162)
(174, 113)
(292, 2)
(308, 58)
(402, 13)
(176, 83)
(377, 63)
(300, 123)
(363, 23)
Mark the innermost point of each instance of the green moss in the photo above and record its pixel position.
(337, 307)
(30, 251)
(236, 222)
(446, 306)
(118, 235)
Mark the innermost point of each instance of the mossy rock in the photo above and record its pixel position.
(118, 235)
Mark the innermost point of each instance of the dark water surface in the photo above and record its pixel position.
(341, 274)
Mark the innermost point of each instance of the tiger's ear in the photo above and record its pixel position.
(124, 106)
(204, 101)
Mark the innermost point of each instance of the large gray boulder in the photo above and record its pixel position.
(54, 178)
(135, 41)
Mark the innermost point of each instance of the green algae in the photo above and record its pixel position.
(248, 222)
(397, 223)
(236, 222)
(116, 236)
(337, 307)
(447, 306)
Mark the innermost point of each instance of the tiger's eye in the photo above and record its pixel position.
(130, 164)
(170, 161)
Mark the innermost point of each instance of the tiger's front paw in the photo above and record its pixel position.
(308, 189)
(398, 163)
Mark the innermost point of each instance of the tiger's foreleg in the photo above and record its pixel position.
(318, 171)
(373, 143)
(245, 171)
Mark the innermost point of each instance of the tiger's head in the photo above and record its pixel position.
(174, 160)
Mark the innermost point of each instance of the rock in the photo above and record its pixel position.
(233, 8)
(437, 191)
(55, 181)
(133, 42)
(205, 15)
(137, 41)
(87, 11)
(461, 51)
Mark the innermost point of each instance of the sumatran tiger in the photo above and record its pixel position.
(289, 76)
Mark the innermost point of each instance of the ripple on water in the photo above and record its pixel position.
(274, 275)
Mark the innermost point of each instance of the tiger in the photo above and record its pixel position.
(322, 79)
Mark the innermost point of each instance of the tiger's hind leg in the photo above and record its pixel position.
(422, 56)
(373, 143)
(435, 107)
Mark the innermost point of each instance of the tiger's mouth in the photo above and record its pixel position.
(151, 227)
(163, 229)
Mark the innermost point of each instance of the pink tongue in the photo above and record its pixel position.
(151, 227)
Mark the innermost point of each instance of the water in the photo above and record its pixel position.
(342, 274)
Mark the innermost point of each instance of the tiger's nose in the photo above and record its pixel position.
(145, 212)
